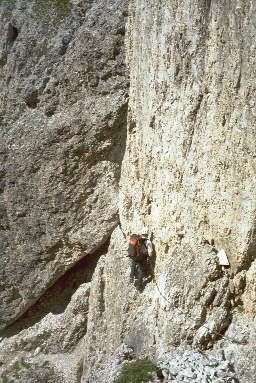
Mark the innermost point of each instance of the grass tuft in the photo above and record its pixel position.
(137, 372)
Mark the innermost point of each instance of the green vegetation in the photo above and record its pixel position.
(6, 8)
(22, 371)
(240, 308)
(137, 372)
(60, 7)
(2, 60)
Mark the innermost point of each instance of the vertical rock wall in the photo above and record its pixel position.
(63, 103)
(189, 174)
(189, 167)
(190, 157)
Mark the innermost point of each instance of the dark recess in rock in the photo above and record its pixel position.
(64, 44)
(31, 99)
(57, 297)
(12, 33)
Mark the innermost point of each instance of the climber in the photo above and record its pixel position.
(140, 250)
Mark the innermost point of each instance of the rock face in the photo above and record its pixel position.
(191, 147)
(188, 172)
(63, 129)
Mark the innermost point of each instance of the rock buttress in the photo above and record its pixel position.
(63, 129)
(189, 174)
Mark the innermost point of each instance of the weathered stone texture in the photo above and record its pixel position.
(188, 173)
(51, 332)
(63, 127)
(189, 165)
(191, 144)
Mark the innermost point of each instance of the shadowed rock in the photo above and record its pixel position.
(62, 135)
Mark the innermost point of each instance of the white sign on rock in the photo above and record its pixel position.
(223, 259)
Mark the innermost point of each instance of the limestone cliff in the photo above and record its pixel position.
(63, 118)
(188, 172)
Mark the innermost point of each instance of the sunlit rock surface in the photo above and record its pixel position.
(188, 172)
